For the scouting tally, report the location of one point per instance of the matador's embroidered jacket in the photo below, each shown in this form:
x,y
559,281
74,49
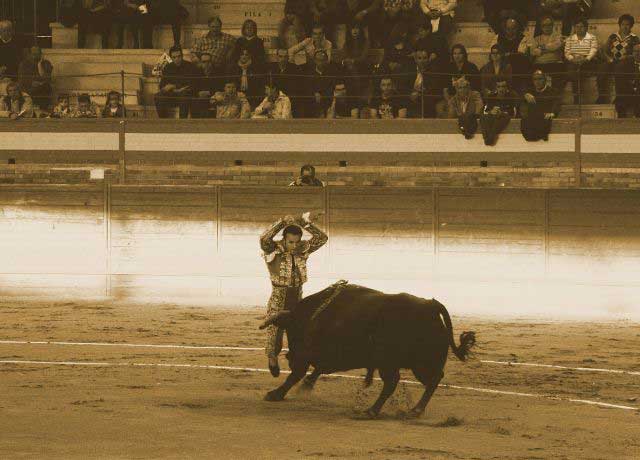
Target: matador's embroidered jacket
x,y
280,262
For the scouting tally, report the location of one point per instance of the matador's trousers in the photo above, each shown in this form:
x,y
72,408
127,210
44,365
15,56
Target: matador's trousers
x,y
282,298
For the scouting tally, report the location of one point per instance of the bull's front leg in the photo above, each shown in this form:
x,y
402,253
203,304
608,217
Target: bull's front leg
x,y
297,373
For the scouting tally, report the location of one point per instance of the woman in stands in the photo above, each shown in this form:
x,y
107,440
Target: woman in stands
x,y
459,66
249,77
356,47
497,66
251,42
291,29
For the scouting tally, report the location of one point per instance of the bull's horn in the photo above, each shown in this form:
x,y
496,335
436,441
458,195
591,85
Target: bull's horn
x,y
272,319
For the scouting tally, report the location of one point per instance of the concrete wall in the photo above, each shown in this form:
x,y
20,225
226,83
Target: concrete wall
x,y
534,249
592,154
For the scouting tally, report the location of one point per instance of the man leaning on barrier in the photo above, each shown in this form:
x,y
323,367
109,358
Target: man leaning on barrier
x,y
287,263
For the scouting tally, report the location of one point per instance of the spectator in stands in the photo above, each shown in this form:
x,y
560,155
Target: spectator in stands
x,y
459,66
514,45
301,8
356,81
114,107
291,29
580,52
426,85
16,104
466,105
567,10
323,12
628,85
350,12
276,104
343,105
95,16
209,84
356,49
129,12
250,78
310,45
541,104
167,12
10,50
307,178
389,104
501,106
435,44
62,108
402,44
286,77
86,108
440,13
251,42
496,12
617,49
230,104
394,65
497,67
547,50
34,76
180,82
321,82
397,15
4,80
217,44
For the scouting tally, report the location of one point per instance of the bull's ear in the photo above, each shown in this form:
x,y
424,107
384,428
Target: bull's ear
x,y
276,320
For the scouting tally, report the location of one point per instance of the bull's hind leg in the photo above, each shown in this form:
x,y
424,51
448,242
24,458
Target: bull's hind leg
x,y
310,380
430,380
390,377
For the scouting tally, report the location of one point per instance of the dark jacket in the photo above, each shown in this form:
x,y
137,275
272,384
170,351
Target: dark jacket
x,y
10,56
188,74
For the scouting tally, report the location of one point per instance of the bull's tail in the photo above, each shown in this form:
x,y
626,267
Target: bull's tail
x,y
467,339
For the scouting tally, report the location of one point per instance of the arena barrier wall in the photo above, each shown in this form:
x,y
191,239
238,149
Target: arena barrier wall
x,y
579,154
474,248
478,248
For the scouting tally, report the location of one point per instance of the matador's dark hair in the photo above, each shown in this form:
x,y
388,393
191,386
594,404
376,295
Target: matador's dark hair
x,y
292,230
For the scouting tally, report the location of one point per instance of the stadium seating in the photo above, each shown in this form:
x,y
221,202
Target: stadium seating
x,y
141,86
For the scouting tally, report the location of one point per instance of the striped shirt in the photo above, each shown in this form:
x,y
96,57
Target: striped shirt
x,y
587,47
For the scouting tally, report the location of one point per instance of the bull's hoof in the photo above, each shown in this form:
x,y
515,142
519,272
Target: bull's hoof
x,y
414,413
371,414
274,395
308,384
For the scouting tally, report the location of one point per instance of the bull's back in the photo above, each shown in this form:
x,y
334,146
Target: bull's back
x,y
367,328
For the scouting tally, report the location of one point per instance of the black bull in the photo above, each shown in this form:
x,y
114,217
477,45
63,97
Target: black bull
x,y
365,328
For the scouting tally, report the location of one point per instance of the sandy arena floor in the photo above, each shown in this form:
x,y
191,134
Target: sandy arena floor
x,y
114,409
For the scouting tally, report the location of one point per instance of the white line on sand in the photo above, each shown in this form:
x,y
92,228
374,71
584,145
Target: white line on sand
x,y
251,369
222,347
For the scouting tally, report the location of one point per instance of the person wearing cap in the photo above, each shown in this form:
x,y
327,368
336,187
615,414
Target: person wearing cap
x,y
541,104
286,261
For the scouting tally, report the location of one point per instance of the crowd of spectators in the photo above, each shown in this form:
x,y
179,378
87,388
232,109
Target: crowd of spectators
x,y
323,67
